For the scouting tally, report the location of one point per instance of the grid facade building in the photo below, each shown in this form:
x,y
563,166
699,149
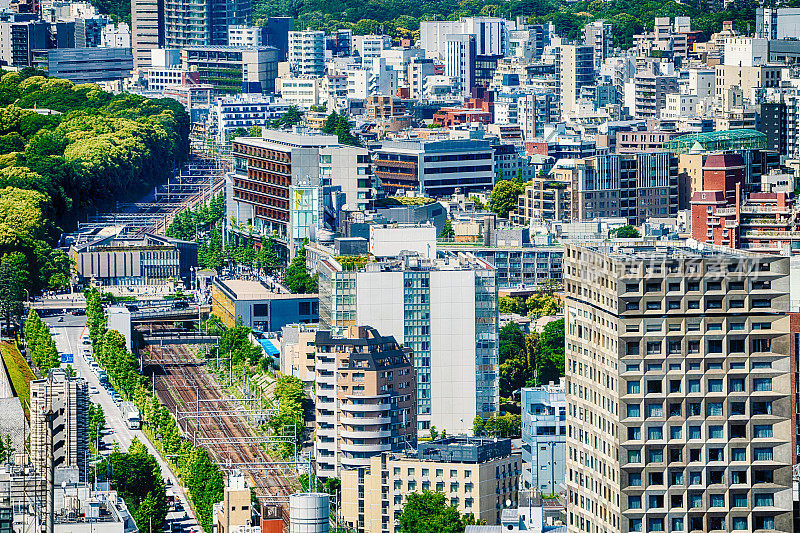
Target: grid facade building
x,y
677,382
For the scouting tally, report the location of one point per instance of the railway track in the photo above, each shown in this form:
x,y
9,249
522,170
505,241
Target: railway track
x,y
230,439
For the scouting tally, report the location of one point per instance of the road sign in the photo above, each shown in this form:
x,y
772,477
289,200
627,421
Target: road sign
x,y
67,358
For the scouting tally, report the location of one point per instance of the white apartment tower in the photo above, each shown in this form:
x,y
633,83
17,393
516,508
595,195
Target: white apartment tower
x,y
306,54
677,375
460,60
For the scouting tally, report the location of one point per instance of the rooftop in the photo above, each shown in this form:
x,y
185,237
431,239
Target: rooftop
x,y
717,141
625,250
254,290
464,449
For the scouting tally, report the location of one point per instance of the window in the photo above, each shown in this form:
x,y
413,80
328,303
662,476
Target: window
x,y
632,368
737,408
762,454
677,524
762,431
635,502
739,523
715,432
763,500
675,432
674,385
738,500
737,365
762,384
714,409
675,409
761,365
736,385
634,410
715,346
714,326
652,367
654,410
715,477
694,456
762,408
716,500
634,433
695,501
716,454
714,385
635,479
762,476
694,409
655,478
655,433
739,477
738,431
635,524
716,522
694,385
736,346
738,454
654,306
673,304
736,304
676,478
655,456
762,325
693,347
674,287
655,501
761,345
655,524
632,306
653,386
693,304
631,287
632,348
676,501
737,326
634,456
763,522
695,365
675,455
714,366
633,387
654,348
674,347
695,478
693,286
736,286
761,302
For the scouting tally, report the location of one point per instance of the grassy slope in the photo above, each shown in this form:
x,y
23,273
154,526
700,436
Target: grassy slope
x,y
19,373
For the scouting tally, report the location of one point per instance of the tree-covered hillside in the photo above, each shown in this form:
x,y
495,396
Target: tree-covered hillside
x,y
93,149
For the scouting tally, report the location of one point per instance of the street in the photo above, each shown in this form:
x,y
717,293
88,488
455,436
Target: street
x,y
67,335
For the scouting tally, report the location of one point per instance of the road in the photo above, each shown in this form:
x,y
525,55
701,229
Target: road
x,y
68,340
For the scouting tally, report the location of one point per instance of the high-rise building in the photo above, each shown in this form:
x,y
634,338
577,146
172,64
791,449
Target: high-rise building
x,y
147,30
66,399
364,398
600,36
445,310
575,69
306,53
460,57
202,23
677,378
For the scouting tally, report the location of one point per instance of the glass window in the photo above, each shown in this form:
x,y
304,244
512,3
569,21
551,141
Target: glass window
x,y
695,478
738,500
762,384
677,524
739,523
656,501
675,432
715,432
634,410
634,433
762,454
714,409
656,456
694,432
735,384
635,479
633,387
632,368
695,501
655,410
738,454
635,524
635,502
694,385
714,385
763,522
655,524
763,500
716,500
634,456
654,433
762,431
737,408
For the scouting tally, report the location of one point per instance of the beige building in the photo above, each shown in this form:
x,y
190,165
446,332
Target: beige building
x,y
746,79
68,400
147,31
365,398
548,197
677,375
477,475
234,510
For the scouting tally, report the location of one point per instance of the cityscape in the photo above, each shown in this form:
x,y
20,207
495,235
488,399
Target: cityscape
x,y
330,266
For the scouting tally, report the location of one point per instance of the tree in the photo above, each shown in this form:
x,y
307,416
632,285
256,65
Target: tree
x,y
429,512
504,197
255,131
298,280
541,304
12,292
447,230
238,132
433,433
627,232
331,123
292,117
477,426
343,132
509,304
512,342
478,204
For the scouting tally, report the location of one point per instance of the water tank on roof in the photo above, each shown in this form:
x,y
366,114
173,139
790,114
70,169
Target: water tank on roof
x,y
309,512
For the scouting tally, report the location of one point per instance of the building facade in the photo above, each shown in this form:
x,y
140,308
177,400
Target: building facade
x,y
544,438
677,383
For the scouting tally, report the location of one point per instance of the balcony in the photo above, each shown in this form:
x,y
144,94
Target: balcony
x,y
771,209
365,421
372,434
352,448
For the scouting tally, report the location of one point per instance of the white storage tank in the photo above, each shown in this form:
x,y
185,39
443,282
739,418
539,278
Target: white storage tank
x,y
309,512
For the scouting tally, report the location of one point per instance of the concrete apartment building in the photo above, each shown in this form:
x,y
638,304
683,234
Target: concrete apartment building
x,y
477,475
306,53
66,399
364,398
544,438
435,167
231,69
650,93
459,60
445,310
575,69
677,374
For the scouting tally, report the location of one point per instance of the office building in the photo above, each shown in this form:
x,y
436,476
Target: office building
x,y
650,93
435,168
59,422
364,399
242,35
491,36
477,476
276,34
544,438
266,168
677,389
371,46
778,23
459,60
773,121
231,69
85,65
233,513
148,260
260,308
147,30
244,111
202,23
306,53
575,69
19,37
445,310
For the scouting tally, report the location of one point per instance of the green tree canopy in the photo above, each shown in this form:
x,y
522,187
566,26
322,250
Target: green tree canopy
x,y
429,512
504,196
